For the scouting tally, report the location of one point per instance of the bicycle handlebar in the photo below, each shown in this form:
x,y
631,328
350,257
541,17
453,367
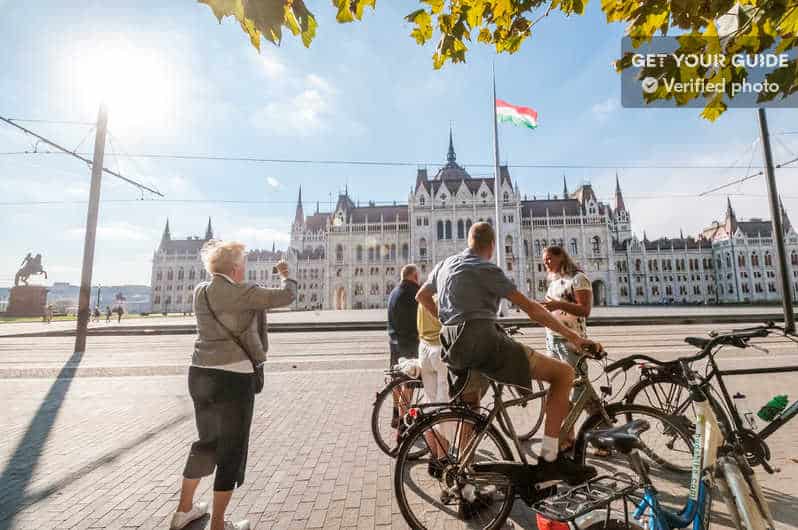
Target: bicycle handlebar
x,y
737,338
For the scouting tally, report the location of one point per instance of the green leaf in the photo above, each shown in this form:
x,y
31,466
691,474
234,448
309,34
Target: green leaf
x,y
714,108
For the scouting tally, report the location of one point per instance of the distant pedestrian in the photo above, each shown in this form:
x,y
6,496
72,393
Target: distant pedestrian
x,y
107,314
402,307
403,331
119,312
96,314
225,374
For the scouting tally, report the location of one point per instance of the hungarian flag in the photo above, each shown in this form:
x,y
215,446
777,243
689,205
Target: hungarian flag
x,y
521,116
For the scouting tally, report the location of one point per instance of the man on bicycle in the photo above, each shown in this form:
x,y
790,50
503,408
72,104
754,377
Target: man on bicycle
x,y
469,288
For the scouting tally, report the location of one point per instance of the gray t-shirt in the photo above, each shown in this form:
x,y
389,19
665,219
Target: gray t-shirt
x,y
468,288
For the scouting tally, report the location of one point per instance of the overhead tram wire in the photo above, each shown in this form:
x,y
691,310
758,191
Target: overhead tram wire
x,y
80,157
783,165
388,163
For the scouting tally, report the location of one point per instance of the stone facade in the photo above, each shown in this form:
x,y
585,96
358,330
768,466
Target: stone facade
x,y
350,257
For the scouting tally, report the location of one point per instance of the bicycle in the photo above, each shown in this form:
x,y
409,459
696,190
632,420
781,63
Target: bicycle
x,y
716,461
401,393
470,463
665,386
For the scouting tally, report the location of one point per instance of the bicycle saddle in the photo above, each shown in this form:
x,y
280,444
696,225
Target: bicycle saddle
x,y
622,439
698,342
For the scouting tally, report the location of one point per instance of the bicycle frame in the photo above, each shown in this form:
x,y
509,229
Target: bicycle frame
x,y
742,493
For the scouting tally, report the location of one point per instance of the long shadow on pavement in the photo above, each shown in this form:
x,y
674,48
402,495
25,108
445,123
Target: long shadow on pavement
x,y
22,464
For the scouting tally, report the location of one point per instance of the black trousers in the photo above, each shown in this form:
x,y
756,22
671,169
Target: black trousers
x,y
223,403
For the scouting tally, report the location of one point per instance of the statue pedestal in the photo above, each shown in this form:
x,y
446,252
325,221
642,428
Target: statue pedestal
x,y
27,301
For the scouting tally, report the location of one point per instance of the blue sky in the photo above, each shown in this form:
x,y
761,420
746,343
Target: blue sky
x,y
179,82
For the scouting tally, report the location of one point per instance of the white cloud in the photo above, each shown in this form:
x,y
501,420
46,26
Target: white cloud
x,y
117,231
272,66
304,114
258,237
273,183
602,110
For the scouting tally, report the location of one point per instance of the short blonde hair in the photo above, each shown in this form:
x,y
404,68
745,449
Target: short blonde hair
x,y
220,256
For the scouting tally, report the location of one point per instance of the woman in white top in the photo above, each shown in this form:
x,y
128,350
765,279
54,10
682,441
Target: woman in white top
x,y
570,299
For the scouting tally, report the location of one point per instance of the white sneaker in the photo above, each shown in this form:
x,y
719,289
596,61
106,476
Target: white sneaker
x,y
240,525
182,519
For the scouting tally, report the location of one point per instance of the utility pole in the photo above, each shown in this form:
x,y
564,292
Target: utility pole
x,y
91,231
778,229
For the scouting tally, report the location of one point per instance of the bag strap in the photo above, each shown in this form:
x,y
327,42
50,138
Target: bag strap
x,y
230,334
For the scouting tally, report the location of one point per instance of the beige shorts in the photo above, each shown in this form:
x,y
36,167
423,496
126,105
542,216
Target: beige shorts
x,y
478,384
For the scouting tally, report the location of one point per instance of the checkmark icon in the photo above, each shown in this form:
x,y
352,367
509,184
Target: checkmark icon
x,y
650,85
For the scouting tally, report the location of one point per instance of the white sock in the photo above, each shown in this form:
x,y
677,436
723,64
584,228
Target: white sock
x,y
551,447
469,492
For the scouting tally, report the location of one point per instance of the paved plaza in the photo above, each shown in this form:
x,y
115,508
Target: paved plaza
x,y
104,445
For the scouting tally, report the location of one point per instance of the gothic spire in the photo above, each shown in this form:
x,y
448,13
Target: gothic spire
x,y
619,204
167,235
785,221
299,217
731,218
209,230
564,187
450,156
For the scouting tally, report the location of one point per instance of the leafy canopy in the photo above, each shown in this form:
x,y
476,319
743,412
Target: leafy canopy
x,y
725,26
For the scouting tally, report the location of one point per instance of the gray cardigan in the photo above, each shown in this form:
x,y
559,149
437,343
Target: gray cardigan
x,y
236,305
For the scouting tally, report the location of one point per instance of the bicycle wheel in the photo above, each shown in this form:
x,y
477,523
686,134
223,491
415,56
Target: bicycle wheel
x,y
527,417
387,416
671,394
667,449
430,496
612,524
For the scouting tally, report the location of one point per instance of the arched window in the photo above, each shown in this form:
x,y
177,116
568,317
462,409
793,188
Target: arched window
x,y
506,197
596,241
741,260
768,260
440,230
526,248
377,250
359,253
202,274
422,248
371,254
387,254
460,229
538,248
169,274
448,226
794,258
159,275
191,274
422,201
393,252
339,253
573,248
468,225
405,251
508,246
637,265
180,274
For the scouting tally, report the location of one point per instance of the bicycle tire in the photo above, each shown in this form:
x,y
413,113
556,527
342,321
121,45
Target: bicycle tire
x,y
404,462
641,389
624,413
528,411
384,398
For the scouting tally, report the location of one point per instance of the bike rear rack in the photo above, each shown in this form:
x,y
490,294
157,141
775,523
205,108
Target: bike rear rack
x,y
572,502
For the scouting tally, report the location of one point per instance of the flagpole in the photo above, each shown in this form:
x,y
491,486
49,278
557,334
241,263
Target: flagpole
x,y
496,185
497,175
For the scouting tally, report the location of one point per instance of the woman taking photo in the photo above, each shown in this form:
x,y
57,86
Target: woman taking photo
x,y
225,374
570,299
